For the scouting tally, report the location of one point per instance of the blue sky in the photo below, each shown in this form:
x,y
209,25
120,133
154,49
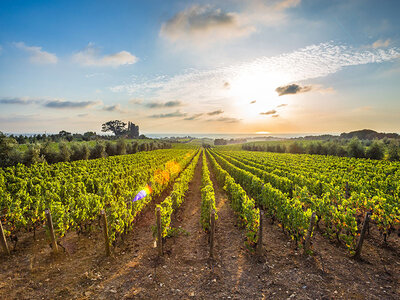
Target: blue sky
x,y
200,67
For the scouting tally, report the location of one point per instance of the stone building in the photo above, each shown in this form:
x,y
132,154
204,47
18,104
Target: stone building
x,y
133,130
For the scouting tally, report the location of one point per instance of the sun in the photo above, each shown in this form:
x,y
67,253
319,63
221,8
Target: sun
x,y
253,91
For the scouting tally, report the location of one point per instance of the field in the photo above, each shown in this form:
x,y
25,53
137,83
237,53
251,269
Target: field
x,y
295,257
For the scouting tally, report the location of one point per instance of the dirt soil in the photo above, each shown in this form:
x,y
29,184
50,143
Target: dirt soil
x,y
186,271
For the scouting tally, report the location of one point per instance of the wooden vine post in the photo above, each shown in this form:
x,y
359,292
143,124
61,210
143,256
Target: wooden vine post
x,y
307,242
3,240
360,242
260,234
159,232
105,232
51,230
212,233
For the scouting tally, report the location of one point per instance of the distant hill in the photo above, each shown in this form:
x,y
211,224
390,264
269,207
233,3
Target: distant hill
x,y
364,134
368,134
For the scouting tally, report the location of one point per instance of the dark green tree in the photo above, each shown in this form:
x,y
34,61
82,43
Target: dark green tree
x,y
375,151
117,127
355,148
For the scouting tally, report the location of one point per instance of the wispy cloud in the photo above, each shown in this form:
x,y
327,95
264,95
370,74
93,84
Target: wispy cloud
x,y
193,117
54,103
38,56
304,64
252,102
282,105
19,101
225,120
61,104
113,108
90,56
136,101
270,112
169,115
215,112
292,89
165,104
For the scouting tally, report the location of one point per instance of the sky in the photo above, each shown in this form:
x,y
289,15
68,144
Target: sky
x,y
227,66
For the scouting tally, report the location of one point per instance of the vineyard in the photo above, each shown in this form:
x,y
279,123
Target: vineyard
x,y
210,212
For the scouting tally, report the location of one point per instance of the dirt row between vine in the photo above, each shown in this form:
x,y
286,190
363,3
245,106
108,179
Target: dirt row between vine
x,y
186,272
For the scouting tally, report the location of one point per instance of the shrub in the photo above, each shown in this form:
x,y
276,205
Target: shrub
x,y
32,155
98,151
121,147
64,152
375,151
355,148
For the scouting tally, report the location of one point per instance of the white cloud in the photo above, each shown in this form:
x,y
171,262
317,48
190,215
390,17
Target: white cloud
x,y
90,56
38,56
203,24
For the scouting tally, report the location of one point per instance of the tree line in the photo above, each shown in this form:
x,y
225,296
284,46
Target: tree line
x,y
11,153
377,149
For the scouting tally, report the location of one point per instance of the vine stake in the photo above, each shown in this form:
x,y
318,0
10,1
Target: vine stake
x,y
260,234
159,232
3,240
307,242
357,255
51,230
212,233
105,232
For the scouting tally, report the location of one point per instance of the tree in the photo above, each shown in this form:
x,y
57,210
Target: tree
x,y
98,151
393,151
220,142
121,147
89,135
6,146
355,148
64,152
375,151
117,127
32,155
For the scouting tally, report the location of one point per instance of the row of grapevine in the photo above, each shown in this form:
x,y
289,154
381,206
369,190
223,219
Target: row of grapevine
x,y
176,198
289,212
339,215
370,177
76,192
385,207
244,206
207,196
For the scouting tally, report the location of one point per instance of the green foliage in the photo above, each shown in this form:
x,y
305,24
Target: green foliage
x,y
98,151
394,152
32,155
243,205
318,184
375,151
355,148
76,192
6,146
207,196
177,196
